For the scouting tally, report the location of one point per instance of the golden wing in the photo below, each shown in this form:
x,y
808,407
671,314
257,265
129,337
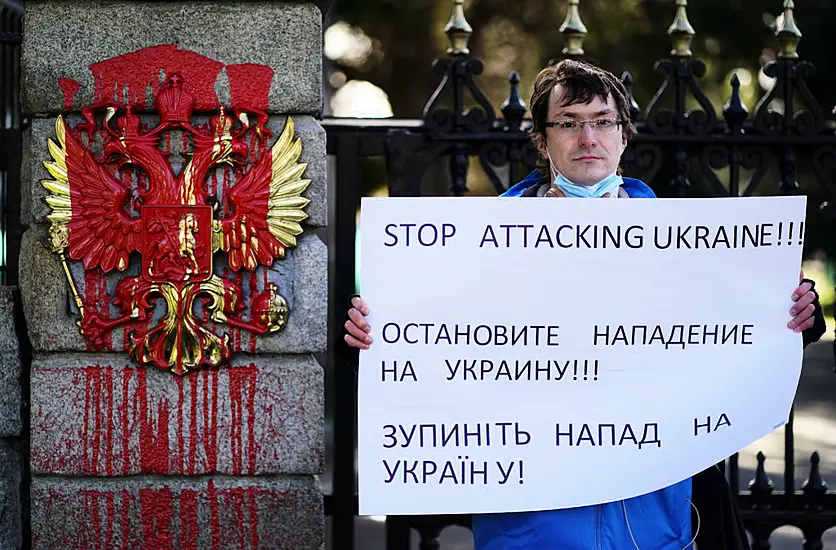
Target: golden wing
x,y
267,207
59,189
88,216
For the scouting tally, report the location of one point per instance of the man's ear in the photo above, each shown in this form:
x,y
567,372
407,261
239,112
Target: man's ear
x,y
541,147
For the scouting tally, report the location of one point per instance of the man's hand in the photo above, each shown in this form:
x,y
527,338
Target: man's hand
x,y
802,310
357,326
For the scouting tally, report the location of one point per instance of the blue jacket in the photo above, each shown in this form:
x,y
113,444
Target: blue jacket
x,y
660,520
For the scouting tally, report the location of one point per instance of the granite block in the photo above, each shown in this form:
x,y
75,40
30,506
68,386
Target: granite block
x,y
100,415
265,53
280,513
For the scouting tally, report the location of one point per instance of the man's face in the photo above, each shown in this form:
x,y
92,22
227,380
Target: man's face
x,y
589,155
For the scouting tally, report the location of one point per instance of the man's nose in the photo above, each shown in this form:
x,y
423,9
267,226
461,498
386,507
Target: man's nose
x,y
587,136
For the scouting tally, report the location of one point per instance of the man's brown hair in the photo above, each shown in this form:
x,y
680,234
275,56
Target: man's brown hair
x,y
581,83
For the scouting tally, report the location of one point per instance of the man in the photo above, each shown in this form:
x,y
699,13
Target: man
x,y
581,127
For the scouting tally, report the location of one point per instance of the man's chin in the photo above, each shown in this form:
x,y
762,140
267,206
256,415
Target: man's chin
x,y
587,179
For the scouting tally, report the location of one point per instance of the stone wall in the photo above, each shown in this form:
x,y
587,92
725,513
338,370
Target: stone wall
x,y
11,465
125,454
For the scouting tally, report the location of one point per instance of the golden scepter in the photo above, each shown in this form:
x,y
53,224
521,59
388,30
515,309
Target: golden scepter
x,y
60,243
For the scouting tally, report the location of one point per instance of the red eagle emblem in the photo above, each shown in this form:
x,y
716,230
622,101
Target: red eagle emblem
x,y
175,222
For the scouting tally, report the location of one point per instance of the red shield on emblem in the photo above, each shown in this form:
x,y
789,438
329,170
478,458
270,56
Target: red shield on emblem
x,y
176,243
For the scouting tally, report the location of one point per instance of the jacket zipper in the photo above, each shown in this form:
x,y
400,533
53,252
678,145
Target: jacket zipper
x,y
598,526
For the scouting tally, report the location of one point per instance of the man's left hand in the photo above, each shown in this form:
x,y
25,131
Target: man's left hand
x,y
803,308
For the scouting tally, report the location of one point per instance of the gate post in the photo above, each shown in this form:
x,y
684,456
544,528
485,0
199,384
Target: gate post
x,y
173,280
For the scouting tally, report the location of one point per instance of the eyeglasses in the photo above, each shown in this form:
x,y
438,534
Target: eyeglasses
x,y
601,126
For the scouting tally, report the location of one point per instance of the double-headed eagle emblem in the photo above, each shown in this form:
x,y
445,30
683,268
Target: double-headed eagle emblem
x,y
175,222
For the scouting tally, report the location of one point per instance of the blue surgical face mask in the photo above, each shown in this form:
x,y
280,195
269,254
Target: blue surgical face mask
x,y
610,184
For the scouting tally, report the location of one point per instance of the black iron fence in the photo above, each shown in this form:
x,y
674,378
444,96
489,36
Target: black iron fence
x,y
10,140
684,148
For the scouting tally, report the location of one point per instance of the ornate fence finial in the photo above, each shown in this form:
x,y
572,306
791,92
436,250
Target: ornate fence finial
x,y
761,487
788,34
634,109
681,31
814,488
513,107
458,30
735,112
573,30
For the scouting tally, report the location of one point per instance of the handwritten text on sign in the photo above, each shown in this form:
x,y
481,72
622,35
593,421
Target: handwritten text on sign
x,y
542,354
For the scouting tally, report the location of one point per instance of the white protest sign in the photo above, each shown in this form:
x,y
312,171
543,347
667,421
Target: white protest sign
x,y
544,354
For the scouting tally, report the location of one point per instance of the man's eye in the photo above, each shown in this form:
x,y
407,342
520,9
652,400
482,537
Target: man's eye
x,y
568,125
605,123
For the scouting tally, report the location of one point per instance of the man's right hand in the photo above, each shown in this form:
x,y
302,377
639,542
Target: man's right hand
x,y
356,326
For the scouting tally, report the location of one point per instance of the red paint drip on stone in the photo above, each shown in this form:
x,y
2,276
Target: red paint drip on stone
x,y
85,436
242,384
92,501
109,422
180,458
227,185
128,78
253,293
249,85
126,504
213,507
111,514
126,459
251,447
156,517
97,299
189,529
193,421
253,523
153,436
210,419
69,87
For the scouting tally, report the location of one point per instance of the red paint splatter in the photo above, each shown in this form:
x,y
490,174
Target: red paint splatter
x,y
69,87
189,529
242,385
156,517
97,299
111,513
253,523
107,520
192,422
153,436
215,520
118,410
249,84
253,294
98,411
93,512
179,459
133,77
126,504
109,422
210,439
227,185
127,78
126,458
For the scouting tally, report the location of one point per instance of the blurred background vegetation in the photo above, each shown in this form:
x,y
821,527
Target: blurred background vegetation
x,y
379,54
